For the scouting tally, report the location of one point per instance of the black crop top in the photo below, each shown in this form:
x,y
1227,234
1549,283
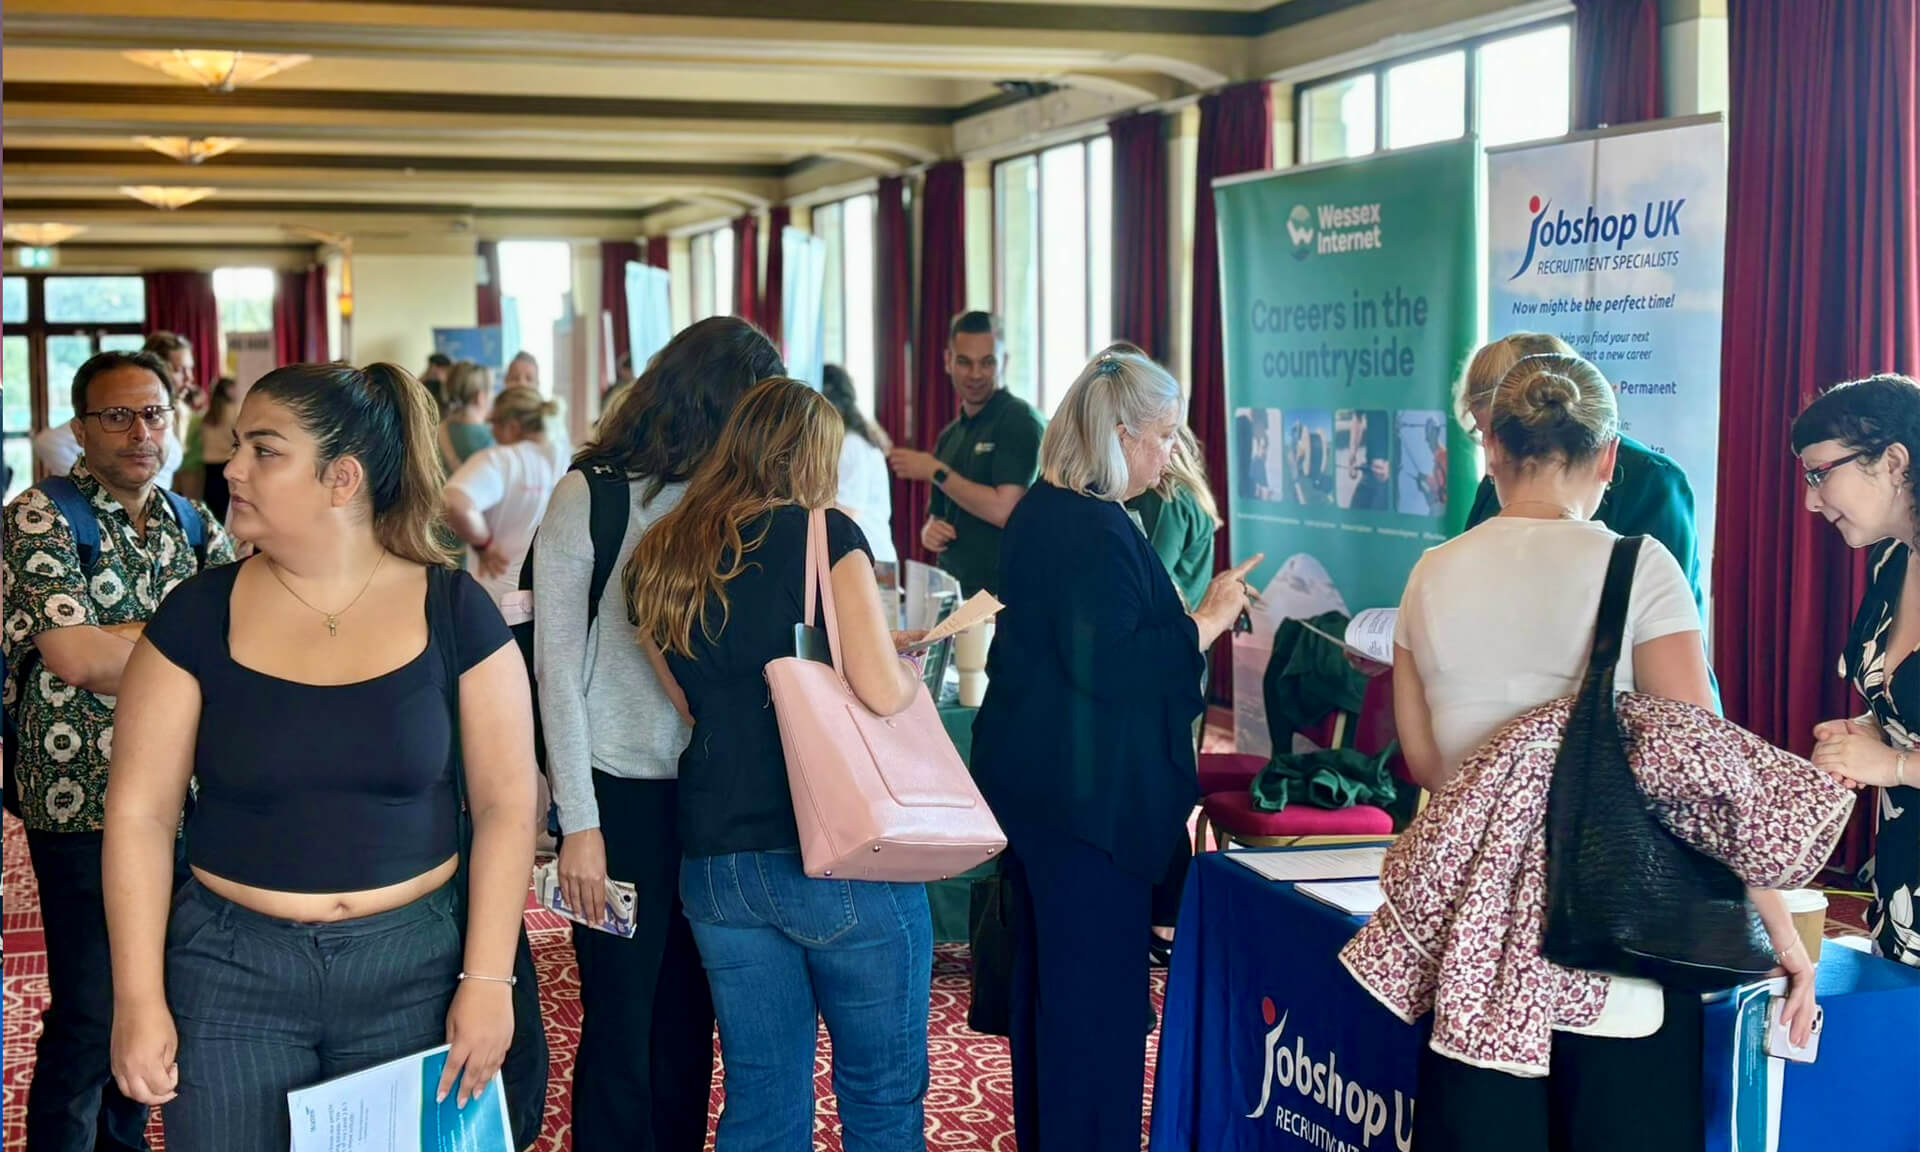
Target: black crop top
x,y
320,788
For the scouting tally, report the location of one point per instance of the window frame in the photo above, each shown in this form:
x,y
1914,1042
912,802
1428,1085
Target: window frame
x,y
38,330
866,386
1034,356
1471,45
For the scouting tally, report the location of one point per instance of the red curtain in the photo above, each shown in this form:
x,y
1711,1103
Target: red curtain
x,y
1616,71
657,251
943,294
486,308
300,317
893,336
1236,135
746,268
615,255
183,303
1822,285
1140,276
772,297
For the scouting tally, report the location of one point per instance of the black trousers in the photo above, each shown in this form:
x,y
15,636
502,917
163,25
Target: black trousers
x,y
1601,1094
1079,1056
644,1072
73,1105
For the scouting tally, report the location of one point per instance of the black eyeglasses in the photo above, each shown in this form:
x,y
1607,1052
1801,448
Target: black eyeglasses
x,y
155,416
1817,474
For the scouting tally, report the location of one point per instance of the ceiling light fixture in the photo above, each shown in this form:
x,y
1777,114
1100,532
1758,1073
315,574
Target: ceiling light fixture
x,y
190,149
216,71
42,235
166,196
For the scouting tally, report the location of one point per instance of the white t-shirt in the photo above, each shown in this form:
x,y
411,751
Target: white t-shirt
x,y
1500,620
866,492
510,484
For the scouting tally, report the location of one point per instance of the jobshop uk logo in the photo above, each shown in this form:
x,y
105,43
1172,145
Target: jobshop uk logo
x,y
1304,1094
1661,219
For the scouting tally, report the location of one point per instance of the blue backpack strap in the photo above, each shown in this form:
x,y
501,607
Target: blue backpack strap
x,y
78,512
192,523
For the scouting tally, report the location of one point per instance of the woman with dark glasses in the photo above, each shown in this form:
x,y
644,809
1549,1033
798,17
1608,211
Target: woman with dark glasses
x,y
1857,445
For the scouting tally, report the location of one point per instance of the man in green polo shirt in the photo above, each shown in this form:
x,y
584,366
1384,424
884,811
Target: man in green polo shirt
x,y
983,462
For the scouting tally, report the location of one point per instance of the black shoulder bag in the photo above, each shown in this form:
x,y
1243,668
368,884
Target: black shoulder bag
x,y
525,1068
1624,895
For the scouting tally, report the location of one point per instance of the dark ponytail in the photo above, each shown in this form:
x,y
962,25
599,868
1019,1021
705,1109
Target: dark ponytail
x,y
382,417
837,387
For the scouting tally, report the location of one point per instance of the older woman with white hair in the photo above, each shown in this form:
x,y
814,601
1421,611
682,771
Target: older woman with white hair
x,y
1084,748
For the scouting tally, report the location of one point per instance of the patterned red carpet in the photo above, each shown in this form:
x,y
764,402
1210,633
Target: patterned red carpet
x,y
969,1099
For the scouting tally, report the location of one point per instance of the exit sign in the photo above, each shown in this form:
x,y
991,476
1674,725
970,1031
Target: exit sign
x,y
33,257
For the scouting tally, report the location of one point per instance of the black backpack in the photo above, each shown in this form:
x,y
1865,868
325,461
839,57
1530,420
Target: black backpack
x,y
77,511
607,486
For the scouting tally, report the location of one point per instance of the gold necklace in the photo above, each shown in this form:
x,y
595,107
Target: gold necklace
x,y
333,618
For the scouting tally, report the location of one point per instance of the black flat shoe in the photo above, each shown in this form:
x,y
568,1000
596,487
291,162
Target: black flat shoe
x,y
1159,950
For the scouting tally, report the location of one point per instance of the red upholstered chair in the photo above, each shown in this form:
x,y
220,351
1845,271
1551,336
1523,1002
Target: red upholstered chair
x,y
1234,819
1223,772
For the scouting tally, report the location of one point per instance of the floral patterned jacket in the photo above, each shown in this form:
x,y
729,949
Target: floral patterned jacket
x,y
1466,884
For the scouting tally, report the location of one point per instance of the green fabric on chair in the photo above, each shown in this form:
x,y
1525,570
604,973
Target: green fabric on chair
x,y
1331,778
1309,677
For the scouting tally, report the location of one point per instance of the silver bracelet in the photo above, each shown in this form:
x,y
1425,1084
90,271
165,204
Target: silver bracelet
x,y
509,981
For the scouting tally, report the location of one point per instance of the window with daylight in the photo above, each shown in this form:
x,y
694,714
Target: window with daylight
x,y
52,325
1058,311
712,254
245,299
848,301
1506,87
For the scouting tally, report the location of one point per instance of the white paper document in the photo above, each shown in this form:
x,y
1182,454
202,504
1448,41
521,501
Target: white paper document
x,y
1357,863
1369,635
979,607
390,1108
1354,897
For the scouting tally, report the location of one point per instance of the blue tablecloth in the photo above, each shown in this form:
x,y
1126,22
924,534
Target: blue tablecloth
x,y
1268,1044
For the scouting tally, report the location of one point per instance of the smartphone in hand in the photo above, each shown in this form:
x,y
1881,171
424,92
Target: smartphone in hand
x,y
1780,1045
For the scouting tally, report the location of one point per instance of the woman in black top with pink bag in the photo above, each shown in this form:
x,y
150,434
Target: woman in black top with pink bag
x,y
310,692
717,585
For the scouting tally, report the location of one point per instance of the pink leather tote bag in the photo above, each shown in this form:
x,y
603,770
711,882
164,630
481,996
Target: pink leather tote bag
x,y
875,797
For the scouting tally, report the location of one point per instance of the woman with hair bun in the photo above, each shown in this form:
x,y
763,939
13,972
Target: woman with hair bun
x,y
496,499
1647,495
308,691
1493,624
1857,445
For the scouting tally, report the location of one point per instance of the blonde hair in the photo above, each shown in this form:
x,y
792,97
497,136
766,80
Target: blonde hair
x,y
466,384
780,446
1554,407
1081,449
525,409
1186,470
1491,363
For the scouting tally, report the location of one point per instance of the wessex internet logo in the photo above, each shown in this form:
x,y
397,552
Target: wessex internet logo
x,y
1331,229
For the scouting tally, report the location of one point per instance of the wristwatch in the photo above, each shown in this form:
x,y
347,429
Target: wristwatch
x,y
939,476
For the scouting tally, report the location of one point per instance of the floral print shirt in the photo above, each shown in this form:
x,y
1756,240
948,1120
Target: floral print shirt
x,y
66,732
1466,884
1895,701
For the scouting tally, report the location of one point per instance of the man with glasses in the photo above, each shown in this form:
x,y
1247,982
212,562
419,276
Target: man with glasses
x,y
56,448
87,559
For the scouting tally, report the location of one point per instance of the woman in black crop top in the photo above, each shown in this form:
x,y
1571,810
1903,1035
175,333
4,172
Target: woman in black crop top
x,y
308,692
717,585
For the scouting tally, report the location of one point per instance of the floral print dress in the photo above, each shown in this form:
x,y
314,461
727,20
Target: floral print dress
x,y
1895,703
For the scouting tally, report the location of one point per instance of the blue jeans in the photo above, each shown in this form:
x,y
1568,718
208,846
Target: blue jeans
x,y
781,950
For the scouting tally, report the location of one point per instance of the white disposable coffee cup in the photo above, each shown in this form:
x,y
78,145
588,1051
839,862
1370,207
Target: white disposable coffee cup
x,y
1809,909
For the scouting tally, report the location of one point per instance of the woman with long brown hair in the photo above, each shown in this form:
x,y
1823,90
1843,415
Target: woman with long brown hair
x,y
308,691
613,741
717,585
